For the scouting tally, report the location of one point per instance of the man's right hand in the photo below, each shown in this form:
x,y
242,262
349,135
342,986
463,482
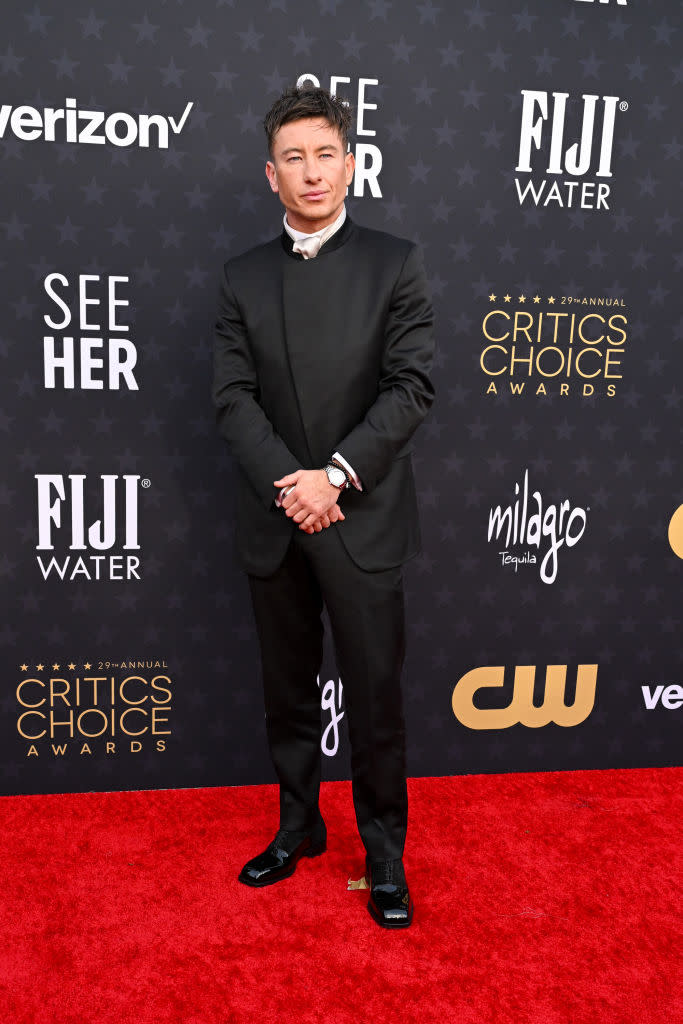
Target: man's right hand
x,y
333,515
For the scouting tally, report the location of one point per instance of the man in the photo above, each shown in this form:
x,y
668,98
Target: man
x,y
323,350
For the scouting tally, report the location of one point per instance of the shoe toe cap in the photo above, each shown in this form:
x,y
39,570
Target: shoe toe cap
x,y
393,910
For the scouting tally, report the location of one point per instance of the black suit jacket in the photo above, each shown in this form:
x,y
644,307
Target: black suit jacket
x,y
324,355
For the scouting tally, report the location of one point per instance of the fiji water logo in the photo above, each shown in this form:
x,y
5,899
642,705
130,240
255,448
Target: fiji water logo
x,y
72,545
545,149
540,529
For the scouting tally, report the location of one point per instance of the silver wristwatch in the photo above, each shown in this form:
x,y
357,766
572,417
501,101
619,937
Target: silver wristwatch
x,y
336,476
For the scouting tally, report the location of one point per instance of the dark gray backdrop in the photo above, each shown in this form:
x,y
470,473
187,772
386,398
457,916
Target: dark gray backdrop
x,y
447,123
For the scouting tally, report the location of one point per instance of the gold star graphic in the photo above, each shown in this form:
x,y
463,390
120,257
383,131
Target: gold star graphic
x,y
39,668
537,299
55,667
522,298
492,297
23,668
71,666
507,298
551,300
87,665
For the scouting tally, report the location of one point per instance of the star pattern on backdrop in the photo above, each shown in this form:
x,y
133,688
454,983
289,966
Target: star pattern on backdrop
x,y
447,126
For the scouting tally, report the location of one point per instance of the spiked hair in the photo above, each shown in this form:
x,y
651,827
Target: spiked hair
x,y
307,100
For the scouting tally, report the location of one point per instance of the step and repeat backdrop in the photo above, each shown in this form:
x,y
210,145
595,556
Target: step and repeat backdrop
x,y
534,150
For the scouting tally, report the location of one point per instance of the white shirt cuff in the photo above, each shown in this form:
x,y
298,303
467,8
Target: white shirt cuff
x,y
349,470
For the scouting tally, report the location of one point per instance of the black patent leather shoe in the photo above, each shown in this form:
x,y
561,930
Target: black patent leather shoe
x,y
390,903
280,858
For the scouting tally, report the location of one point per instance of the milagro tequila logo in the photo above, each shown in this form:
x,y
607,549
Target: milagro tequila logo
x,y
331,701
97,550
529,524
542,130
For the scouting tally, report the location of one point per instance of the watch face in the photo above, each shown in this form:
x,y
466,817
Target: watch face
x,y
336,476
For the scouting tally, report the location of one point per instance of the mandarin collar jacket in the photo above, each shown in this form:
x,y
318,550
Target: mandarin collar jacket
x,y
323,355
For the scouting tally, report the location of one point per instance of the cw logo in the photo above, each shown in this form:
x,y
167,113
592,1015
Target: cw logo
x,y
521,708
676,532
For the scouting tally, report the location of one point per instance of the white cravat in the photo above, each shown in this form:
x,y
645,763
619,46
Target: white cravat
x,y
310,245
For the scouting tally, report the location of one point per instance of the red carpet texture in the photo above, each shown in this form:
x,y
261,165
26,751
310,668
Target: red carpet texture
x,y
540,899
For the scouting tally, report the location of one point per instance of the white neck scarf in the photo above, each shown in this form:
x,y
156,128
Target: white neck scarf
x,y
309,245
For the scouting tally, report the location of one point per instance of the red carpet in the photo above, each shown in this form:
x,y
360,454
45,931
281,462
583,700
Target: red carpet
x,y
540,899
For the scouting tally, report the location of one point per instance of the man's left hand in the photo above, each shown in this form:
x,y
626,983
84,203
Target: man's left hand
x,y
327,519
313,495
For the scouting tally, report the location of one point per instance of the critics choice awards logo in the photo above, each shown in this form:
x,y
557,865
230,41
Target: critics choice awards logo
x,y
530,532
561,172
553,345
524,707
98,707
368,155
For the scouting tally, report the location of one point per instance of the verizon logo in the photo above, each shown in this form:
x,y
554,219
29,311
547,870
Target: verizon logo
x,y
670,697
91,127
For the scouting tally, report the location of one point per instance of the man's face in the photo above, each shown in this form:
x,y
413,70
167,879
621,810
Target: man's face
x,y
310,171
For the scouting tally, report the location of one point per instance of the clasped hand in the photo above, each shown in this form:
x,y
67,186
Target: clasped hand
x,y
312,503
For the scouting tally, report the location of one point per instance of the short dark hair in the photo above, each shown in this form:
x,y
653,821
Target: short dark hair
x,y
308,100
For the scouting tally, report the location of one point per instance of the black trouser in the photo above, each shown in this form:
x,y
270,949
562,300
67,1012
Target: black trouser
x,y
368,629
